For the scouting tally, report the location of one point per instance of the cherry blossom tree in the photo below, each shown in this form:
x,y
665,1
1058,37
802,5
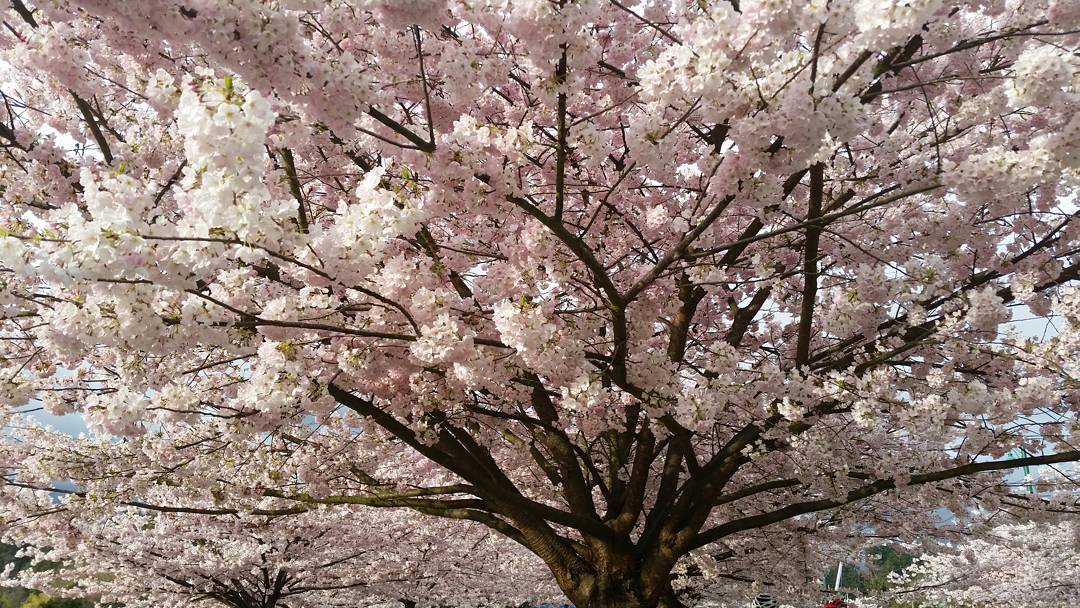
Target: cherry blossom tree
x,y
143,559
648,289
95,542
140,559
1031,565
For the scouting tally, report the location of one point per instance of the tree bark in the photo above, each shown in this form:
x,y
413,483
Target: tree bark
x,y
619,581
614,591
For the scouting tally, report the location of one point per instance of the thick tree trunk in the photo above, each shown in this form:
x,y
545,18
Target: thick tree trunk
x,y
621,577
614,583
625,593
612,595
622,590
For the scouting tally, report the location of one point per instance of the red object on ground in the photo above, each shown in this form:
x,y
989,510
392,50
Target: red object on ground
x,y
835,603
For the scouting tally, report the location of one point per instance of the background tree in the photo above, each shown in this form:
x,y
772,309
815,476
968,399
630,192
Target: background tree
x,y
89,542
18,597
628,284
12,597
1031,565
887,560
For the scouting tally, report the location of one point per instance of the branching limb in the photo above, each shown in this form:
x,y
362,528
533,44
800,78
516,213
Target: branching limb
x,y
871,489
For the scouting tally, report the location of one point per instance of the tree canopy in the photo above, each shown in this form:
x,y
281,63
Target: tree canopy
x,y
666,296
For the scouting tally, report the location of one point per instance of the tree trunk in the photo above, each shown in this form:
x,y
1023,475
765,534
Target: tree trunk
x,y
622,578
612,592
626,594
622,590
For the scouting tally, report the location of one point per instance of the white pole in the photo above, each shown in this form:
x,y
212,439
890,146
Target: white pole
x,y
839,572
